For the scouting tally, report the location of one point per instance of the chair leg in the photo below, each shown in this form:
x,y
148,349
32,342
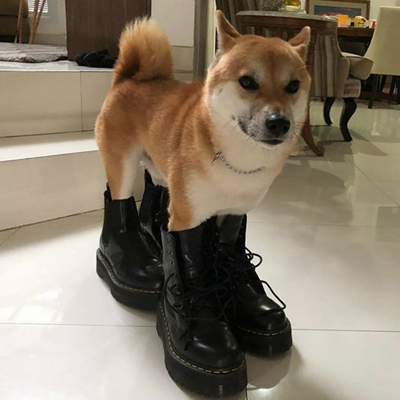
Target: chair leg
x,y
393,86
383,83
327,109
350,107
375,84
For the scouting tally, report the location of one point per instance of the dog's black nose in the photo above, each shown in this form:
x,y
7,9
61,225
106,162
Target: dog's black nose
x,y
278,124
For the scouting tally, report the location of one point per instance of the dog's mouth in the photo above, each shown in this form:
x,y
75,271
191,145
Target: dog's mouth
x,y
243,126
272,142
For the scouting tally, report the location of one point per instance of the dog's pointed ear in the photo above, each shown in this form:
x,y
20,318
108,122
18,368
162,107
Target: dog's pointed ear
x,y
226,33
301,42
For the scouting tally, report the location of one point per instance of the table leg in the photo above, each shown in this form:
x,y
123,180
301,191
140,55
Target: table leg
x,y
309,139
18,34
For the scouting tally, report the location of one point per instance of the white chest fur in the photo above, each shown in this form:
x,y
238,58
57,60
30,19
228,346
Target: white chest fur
x,y
223,191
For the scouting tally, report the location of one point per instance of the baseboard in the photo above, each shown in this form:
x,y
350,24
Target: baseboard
x,y
55,39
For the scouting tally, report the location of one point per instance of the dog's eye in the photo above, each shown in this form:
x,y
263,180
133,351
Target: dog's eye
x,y
293,87
248,83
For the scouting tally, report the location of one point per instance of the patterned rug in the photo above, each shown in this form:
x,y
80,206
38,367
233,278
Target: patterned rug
x,y
31,53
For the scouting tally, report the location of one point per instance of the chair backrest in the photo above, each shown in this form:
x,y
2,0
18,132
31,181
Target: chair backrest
x,y
384,49
231,7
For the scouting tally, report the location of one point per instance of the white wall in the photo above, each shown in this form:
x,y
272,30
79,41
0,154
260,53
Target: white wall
x,y
177,19
376,5
53,27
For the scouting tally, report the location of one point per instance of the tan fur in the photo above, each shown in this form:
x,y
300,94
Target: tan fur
x,y
145,53
147,112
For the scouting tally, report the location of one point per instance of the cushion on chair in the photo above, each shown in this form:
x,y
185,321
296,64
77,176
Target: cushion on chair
x,y
342,75
352,88
8,26
11,7
360,67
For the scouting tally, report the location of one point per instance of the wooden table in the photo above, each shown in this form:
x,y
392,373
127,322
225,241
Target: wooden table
x,y
365,33
351,35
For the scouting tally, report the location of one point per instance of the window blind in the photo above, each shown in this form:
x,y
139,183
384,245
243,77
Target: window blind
x,y
31,4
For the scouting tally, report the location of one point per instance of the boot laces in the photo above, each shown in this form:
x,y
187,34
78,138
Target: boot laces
x,y
240,268
200,293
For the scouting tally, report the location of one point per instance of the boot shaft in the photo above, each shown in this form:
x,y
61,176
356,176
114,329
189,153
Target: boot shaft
x,y
232,246
232,232
153,211
194,249
120,217
189,262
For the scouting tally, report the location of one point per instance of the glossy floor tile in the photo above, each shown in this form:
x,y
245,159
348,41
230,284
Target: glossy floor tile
x,y
84,362
55,264
332,277
329,233
319,191
330,366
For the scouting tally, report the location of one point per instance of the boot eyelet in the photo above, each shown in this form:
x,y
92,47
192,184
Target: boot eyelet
x,y
170,252
171,263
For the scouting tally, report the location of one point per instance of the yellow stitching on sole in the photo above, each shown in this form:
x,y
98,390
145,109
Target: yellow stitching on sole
x,y
187,363
264,334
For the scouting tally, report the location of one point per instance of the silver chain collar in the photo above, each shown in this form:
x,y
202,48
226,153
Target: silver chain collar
x,y
219,156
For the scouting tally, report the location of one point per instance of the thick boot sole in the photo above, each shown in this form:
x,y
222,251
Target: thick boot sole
x,y
139,298
263,343
205,382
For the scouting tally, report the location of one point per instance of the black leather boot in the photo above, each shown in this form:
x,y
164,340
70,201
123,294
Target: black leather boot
x,y
153,212
201,352
260,325
126,260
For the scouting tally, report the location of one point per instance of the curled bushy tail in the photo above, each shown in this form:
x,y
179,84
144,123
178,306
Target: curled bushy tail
x,y
144,54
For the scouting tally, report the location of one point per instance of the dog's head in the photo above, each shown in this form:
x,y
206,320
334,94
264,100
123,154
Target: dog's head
x,y
259,86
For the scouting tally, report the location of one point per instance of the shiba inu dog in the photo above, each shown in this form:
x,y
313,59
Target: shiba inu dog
x,y
219,144
212,148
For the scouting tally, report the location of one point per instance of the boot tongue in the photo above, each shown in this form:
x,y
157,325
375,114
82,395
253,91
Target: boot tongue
x,y
191,252
229,229
192,268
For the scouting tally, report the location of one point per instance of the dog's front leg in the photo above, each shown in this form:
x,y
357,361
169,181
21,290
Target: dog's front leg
x,y
181,214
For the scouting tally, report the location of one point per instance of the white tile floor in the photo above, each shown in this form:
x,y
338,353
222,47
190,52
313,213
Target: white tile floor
x,y
329,232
